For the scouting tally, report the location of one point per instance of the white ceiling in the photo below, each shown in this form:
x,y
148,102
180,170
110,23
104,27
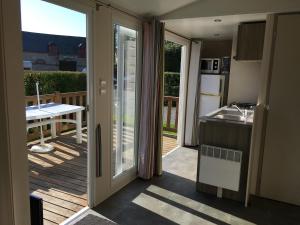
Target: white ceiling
x,y
150,7
207,28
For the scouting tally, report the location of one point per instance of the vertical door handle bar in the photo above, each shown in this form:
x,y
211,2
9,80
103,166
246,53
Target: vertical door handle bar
x,y
98,151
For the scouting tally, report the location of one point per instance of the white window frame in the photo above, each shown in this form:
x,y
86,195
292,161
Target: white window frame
x,y
130,22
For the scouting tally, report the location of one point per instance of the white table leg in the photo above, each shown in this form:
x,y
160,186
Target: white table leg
x,y
78,127
53,128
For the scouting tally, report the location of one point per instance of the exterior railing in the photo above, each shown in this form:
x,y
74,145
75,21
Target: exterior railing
x,y
171,124
79,98
71,98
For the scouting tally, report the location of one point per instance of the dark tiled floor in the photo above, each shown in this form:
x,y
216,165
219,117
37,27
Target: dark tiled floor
x,y
123,208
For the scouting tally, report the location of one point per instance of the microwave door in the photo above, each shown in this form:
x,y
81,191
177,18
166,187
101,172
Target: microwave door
x,y
206,66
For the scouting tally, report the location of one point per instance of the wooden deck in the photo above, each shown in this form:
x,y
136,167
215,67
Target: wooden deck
x,y
60,178
169,144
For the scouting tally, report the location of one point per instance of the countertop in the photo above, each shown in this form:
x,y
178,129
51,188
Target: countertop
x,y
210,117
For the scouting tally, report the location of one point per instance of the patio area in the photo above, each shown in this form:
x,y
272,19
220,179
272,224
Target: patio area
x,y
60,177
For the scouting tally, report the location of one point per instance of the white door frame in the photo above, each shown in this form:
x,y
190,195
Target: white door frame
x,y
87,8
184,69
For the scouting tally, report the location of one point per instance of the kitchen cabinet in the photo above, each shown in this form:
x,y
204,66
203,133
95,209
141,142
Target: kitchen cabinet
x,y
250,41
231,135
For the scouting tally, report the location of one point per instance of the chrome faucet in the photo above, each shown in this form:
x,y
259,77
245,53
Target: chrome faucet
x,y
244,113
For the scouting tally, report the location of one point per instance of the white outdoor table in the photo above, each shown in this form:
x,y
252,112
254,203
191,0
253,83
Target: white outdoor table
x,y
48,112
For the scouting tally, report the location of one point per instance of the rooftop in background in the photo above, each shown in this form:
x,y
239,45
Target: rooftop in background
x,y
38,43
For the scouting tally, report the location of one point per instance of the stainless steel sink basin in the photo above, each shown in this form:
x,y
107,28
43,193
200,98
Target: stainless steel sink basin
x,y
229,112
233,115
229,117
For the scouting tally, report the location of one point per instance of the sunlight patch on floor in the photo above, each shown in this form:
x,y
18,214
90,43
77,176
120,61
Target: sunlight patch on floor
x,y
168,211
199,207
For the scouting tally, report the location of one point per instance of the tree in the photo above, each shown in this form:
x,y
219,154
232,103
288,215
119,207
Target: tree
x,y
172,56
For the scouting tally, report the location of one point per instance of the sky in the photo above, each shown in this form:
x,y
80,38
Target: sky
x,y
43,17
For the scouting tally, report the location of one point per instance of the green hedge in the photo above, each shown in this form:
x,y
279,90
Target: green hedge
x,y
172,57
171,84
51,81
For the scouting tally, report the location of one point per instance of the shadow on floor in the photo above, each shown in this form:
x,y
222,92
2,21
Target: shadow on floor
x,y
183,205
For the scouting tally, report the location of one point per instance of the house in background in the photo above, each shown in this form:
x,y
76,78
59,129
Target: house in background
x,y
48,52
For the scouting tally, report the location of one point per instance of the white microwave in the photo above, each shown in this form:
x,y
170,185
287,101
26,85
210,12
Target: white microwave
x,y
210,65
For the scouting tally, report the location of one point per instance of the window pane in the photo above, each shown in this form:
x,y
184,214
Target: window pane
x,y
124,85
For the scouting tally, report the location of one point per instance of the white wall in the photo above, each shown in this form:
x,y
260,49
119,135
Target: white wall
x,y
244,81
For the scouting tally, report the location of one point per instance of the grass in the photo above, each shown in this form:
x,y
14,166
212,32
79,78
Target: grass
x,y
169,133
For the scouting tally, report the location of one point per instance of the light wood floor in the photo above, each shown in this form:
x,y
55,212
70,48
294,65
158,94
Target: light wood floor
x,y
60,177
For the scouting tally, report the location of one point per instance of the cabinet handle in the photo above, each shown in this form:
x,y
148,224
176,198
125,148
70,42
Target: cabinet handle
x,y
98,151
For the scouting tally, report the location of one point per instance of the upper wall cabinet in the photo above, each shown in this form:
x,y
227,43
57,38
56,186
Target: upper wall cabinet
x,y
250,41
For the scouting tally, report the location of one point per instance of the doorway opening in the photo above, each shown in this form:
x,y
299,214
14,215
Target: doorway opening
x,y
177,159
56,90
172,74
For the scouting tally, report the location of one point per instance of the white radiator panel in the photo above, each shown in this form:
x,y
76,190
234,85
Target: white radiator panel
x,y
220,167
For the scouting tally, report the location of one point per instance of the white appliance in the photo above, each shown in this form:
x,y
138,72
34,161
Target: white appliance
x,y
211,93
211,65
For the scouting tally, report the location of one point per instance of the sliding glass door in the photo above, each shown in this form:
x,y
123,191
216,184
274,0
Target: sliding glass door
x,y
124,100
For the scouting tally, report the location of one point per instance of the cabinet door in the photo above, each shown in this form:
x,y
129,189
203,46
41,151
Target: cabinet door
x,y
250,41
281,159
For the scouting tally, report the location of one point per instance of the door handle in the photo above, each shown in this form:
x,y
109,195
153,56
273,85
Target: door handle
x,y
98,151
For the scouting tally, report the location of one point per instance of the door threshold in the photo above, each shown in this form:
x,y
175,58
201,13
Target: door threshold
x,y
171,151
74,217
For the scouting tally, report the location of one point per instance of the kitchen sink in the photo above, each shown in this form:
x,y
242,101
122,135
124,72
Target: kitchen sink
x,y
229,117
231,114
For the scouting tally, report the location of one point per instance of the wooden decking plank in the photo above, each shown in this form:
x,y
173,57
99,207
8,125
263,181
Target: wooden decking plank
x,y
52,159
59,170
65,176
61,195
59,182
47,222
60,178
58,210
68,157
66,167
47,185
63,148
168,144
52,217
57,201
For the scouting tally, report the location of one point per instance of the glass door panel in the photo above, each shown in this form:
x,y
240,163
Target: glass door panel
x,y
124,99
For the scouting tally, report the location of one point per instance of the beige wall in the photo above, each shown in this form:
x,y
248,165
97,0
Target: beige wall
x,y
281,168
244,81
